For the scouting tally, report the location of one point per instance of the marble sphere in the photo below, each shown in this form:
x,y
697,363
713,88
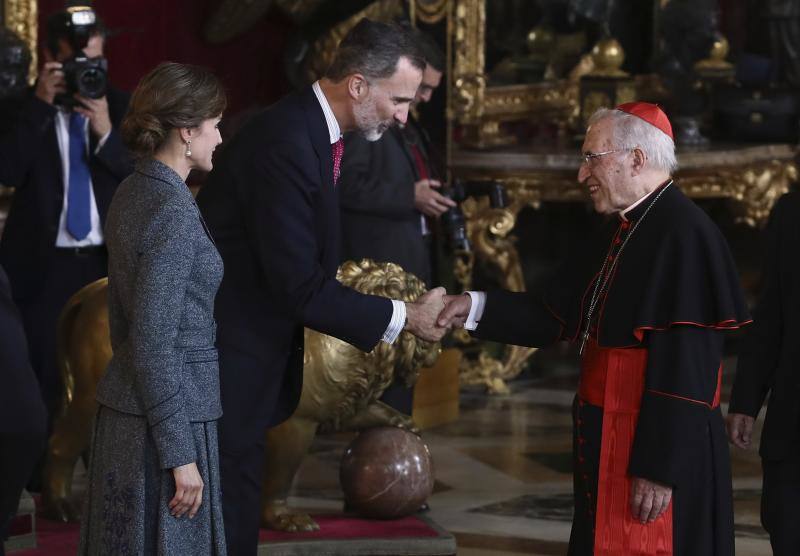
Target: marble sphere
x,y
386,473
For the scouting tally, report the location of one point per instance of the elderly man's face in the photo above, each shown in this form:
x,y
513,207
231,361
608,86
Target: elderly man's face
x,y
387,101
608,176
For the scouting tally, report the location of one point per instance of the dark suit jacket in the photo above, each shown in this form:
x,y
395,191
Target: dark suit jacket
x,y
769,361
31,163
274,214
376,190
21,407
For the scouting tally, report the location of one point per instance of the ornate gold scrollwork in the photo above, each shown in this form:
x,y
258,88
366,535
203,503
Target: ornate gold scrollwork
x,y
468,60
20,17
753,190
430,11
488,230
481,109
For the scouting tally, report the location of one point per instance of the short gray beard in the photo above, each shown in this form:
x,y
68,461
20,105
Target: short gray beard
x,y
367,119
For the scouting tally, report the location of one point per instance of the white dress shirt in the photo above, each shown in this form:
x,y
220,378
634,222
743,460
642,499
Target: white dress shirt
x,y
479,298
398,320
64,238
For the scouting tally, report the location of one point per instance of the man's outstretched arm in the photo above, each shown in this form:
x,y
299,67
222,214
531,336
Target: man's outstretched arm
x,y
509,317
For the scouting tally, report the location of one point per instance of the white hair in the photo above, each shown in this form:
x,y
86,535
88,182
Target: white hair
x,y
631,132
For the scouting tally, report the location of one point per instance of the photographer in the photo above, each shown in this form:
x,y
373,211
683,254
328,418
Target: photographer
x,y
61,151
388,189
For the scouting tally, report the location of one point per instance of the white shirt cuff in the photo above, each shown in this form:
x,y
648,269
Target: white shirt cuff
x,y
101,142
397,322
475,310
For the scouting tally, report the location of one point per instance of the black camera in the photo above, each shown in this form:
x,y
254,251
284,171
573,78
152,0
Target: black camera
x,y
453,219
85,76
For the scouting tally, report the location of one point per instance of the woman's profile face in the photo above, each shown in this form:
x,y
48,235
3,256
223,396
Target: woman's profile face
x,y
204,141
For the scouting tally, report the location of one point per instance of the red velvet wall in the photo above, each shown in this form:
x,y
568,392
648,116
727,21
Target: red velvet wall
x,y
146,32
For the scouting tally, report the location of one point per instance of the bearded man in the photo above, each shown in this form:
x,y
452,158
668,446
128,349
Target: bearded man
x,y
272,208
647,300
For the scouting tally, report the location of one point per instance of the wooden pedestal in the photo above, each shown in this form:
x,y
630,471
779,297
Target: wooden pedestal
x,y
436,391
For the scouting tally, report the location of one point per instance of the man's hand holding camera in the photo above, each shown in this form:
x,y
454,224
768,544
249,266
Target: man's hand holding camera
x,y
429,201
50,82
96,111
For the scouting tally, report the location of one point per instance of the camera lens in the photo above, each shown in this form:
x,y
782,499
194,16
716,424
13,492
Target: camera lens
x,y
455,225
92,83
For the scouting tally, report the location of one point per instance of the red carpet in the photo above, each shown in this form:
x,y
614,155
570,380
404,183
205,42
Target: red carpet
x,y
61,539
53,538
339,527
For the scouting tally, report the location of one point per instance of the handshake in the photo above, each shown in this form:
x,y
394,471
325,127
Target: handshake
x,y
433,314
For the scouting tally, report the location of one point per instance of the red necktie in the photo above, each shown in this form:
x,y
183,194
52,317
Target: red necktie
x,y
338,151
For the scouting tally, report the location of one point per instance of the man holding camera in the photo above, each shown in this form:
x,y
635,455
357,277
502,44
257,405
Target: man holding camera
x,y
60,150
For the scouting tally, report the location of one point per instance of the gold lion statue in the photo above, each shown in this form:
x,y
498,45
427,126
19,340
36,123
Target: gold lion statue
x,y
341,387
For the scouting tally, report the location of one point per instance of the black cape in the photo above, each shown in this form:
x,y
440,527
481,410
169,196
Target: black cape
x,y
676,269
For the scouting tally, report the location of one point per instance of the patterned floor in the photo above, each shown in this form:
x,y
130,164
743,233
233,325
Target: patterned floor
x,y
503,469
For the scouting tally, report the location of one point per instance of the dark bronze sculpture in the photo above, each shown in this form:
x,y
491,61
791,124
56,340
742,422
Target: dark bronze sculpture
x,y
15,59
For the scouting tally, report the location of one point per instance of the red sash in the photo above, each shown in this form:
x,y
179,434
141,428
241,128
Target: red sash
x,y
614,380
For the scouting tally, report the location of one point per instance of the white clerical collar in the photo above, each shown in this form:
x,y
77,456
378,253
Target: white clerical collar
x,y
624,213
333,126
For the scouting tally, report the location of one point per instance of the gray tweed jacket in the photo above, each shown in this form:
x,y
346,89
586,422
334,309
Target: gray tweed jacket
x,y
163,275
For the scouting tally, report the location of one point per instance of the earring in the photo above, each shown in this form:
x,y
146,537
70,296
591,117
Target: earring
x,y
188,148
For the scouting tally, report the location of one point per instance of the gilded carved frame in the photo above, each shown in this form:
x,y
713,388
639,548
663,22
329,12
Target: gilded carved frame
x,y
20,17
479,108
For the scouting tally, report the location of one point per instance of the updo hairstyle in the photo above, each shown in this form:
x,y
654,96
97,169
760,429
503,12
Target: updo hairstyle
x,y
170,96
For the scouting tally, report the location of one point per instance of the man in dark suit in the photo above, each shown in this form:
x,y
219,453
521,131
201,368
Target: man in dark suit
x,y
768,366
272,206
65,164
23,429
388,190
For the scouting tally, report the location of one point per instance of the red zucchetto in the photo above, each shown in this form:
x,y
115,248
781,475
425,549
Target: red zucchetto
x,y
650,113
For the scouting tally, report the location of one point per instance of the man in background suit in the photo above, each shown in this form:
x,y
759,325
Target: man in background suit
x,y
388,190
768,366
272,206
65,165
23,428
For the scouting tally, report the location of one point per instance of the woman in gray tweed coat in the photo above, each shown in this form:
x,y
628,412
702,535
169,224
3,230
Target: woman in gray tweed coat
x,y
154,473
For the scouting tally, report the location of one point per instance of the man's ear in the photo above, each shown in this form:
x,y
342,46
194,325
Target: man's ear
x,y
639,161
357,86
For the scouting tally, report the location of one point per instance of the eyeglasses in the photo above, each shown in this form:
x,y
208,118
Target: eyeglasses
x,y
589,157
